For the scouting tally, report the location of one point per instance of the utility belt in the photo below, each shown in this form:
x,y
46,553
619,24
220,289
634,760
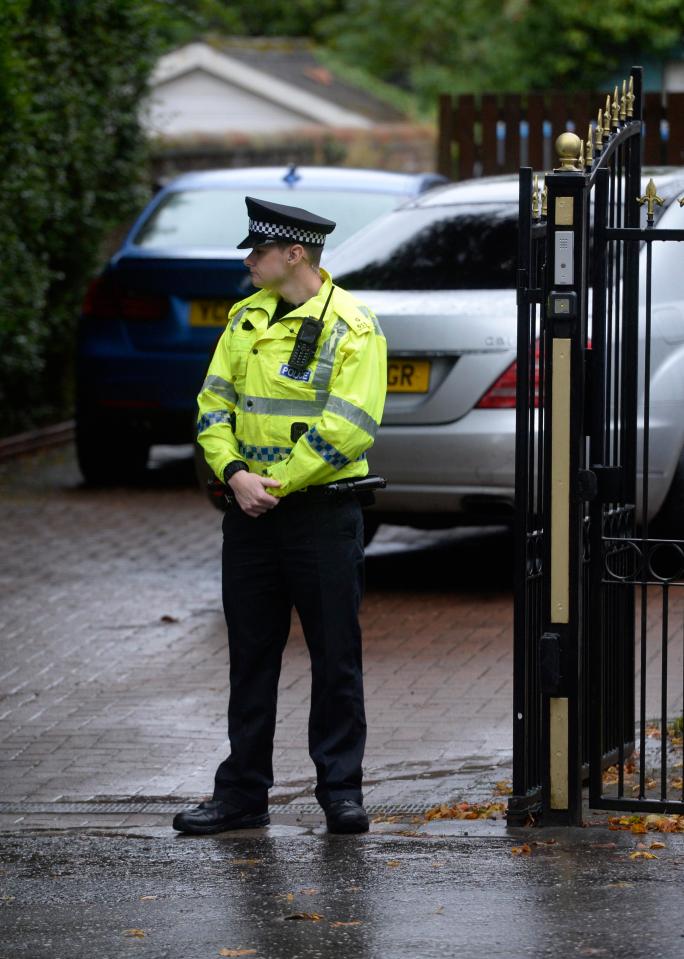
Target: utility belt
x,y
362,488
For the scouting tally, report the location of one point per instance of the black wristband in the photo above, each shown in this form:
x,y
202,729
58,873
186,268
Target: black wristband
x,y
233,468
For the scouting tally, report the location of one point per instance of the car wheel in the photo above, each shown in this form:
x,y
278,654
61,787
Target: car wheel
x,y
106,457
370,528
669,523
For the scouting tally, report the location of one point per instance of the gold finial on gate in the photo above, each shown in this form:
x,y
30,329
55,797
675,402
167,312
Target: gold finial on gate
x,y
535,198
606,119
569,150
589,149
615,110
623,102
630,99
650,197
581,156
545,201
598,143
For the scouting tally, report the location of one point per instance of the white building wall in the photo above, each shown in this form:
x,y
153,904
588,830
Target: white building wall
x,y
197,102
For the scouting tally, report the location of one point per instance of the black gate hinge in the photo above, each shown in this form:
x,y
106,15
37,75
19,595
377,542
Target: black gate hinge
x,y
550,669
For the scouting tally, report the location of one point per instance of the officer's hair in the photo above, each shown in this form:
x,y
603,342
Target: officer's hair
x,y
312,253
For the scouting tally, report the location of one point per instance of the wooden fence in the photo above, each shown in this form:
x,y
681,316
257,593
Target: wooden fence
x,y
498,133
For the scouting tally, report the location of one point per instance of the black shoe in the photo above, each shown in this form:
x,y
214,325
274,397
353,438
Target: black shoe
x,y
346,816
215,815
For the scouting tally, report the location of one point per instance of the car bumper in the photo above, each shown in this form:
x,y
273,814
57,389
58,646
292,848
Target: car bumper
x,y
464,469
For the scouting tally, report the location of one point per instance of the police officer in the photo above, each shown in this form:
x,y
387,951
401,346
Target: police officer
x,y
290,405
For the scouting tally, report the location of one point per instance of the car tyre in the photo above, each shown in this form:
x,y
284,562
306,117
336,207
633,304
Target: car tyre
x,y
107,458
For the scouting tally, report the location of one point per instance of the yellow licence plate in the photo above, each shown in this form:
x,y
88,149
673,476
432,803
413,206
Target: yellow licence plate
x,y
408,376
209,312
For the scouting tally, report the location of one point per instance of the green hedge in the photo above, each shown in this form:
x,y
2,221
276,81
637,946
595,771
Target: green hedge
x,y
73,163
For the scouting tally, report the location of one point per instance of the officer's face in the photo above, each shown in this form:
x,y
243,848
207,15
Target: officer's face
x,y
268,265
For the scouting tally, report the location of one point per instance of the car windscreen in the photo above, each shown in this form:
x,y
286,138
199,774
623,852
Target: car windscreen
x,y
456,247
194,219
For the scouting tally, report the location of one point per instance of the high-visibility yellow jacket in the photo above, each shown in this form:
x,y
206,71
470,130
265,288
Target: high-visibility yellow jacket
x,y
251,399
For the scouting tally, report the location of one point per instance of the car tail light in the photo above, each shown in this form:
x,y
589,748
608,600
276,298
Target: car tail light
x,y
105,300
501,394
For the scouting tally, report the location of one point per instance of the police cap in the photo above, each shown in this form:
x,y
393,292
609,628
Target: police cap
x,y
270,222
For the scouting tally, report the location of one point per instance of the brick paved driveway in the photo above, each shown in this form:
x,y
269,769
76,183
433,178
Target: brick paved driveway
x,y
114,659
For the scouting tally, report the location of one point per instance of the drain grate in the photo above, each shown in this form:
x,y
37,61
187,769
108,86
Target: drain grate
x,y
133,806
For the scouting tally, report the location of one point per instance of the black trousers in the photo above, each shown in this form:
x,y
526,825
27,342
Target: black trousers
x,y
307,552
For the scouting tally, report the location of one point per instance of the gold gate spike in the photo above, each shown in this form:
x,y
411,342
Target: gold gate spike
x,y
650,197
545,201
630,99
615,110
535,198
589,149
623,102
606,120
598,145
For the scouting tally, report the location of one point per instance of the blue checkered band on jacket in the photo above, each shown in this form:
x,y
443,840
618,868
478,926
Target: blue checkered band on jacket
x,y
264,454
326,450
286,232
211,419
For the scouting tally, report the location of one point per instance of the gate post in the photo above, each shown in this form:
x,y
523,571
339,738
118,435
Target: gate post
x,y
565,322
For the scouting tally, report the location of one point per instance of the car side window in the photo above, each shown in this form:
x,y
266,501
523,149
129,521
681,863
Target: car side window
x,y
436,248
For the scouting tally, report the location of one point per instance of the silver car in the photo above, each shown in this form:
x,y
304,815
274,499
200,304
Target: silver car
x,y
440,274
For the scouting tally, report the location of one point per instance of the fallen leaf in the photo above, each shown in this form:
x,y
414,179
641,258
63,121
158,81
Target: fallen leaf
x,y
439,911
348,922
677,784
237,952
310,916
309,892
523,850
619,885
658,845
135,933
642,855
464,810
169,619
245,862
393,863
148,898
504,787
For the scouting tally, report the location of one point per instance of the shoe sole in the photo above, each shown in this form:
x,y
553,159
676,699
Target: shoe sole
x,y
253,822
348,829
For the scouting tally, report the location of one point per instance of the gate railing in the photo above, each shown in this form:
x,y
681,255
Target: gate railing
x,y
582,569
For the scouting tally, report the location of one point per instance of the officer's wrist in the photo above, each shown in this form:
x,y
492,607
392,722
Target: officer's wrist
x,y
232,468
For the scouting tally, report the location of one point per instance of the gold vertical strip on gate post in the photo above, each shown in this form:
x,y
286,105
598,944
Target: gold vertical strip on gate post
x,y
560,481
558,753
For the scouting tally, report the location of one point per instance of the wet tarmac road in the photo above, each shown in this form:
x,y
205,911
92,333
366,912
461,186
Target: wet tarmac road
x,y
378,897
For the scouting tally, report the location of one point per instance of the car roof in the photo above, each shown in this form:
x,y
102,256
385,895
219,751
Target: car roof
x,y
504,189
307,177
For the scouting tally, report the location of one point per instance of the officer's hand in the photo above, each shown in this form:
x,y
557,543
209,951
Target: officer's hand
x,y
251,492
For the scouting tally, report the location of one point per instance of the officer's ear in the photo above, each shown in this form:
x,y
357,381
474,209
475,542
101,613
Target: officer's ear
x,y
295,253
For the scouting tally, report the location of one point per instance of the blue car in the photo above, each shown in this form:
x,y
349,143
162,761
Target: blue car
x,y
152,318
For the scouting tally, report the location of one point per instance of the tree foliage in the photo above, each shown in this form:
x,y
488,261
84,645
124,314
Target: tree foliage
x,y
73,161
485,46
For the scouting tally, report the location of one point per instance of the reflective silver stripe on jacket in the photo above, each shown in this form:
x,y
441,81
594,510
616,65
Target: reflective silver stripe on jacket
x,y
264,454
326,358
373,318
221,387
264,406
352,414
238,316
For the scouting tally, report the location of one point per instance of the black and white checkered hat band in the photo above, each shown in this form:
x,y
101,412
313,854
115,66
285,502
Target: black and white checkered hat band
x,y
277,231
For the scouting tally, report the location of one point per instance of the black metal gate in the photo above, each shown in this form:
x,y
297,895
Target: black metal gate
x,y
599,609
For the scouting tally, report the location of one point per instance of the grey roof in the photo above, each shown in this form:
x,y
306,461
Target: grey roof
x,y
293,61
